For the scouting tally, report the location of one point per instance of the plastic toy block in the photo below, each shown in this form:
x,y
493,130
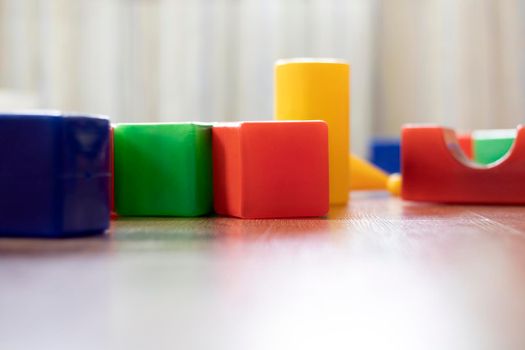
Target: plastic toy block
x,y
163,169
394,184
491,145
112,169
307,89
436,170
271,169
385,154
465,142
54,175
365,176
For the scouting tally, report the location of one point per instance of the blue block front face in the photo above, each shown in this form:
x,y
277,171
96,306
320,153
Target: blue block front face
x,y
386,154
54,175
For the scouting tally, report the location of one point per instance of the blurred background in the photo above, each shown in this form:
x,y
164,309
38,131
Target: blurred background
x,y
455,62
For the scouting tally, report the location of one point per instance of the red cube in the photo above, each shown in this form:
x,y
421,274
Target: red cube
x,y
271,169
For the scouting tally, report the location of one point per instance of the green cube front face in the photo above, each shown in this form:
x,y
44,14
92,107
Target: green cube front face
x,y
163,170
490,145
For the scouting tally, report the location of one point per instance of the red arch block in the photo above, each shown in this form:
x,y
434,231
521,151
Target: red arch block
x,y
271,169
436,170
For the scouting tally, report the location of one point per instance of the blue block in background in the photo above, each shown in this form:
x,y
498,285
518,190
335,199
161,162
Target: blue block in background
x,y
386,154
54,175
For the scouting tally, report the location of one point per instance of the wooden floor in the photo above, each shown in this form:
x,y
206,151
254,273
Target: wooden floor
x,y
379,274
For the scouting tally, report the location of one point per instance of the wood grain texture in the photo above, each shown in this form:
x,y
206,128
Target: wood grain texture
x,y
377,274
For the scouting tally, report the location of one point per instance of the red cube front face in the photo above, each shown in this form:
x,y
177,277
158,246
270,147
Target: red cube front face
x,y
271,169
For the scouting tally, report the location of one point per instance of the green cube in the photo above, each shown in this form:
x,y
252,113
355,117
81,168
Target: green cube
x,y
163,169
491,145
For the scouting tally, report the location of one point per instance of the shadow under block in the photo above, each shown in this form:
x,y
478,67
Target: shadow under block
x,y
365,176
271,169
435,170
319,90
163,169
54,175
491,145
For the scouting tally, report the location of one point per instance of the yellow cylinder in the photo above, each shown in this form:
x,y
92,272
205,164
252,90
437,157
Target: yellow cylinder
x,y
307,89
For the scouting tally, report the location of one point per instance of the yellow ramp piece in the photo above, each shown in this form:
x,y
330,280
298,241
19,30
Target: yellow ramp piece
x,y
365,176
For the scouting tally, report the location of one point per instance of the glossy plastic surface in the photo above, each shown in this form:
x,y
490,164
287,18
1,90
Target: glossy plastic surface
x,y
491,145
385,153
394,184
54,175
271,169
163,169
319,89
366,176
436,170
465,142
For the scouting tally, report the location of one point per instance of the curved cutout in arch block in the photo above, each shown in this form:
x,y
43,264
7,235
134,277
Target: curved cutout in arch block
x,y
435,169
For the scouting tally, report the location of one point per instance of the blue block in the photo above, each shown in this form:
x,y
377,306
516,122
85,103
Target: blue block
x,y
386,154
54,175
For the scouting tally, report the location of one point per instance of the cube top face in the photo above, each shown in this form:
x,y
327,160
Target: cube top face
x,y
163,169
272,169
54,175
